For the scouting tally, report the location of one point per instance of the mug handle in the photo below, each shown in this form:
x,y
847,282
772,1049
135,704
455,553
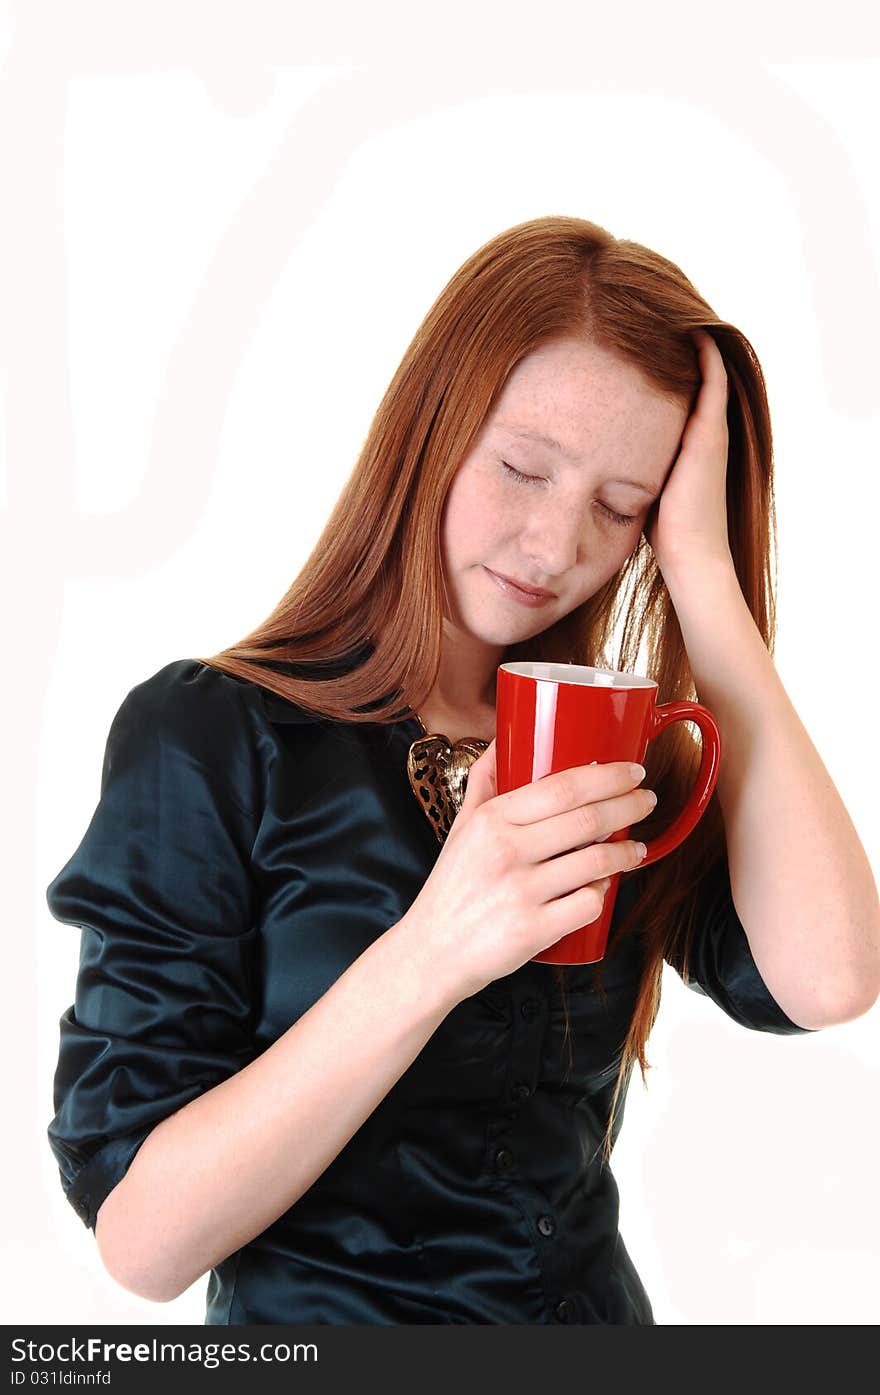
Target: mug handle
x,y
707,775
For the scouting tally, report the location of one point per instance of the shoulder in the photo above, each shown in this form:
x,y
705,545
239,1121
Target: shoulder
x,y
190,687
190,700
190,717
219,719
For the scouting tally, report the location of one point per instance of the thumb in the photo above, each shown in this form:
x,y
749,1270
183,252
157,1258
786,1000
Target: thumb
x,y
481,782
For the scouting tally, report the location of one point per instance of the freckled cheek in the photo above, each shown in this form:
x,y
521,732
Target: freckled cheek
x,y
477,520
470,529
600,559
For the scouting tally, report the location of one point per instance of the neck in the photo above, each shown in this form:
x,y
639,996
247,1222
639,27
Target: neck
x,y
455,725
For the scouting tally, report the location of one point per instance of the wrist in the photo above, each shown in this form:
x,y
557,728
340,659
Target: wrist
x,y
420,982
710,575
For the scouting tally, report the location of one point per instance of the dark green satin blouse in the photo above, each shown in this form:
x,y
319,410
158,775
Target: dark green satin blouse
x,y
242,854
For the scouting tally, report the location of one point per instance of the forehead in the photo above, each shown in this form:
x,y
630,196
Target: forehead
x,y
596,408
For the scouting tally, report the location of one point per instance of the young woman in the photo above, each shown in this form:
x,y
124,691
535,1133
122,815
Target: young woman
x,y
310,1051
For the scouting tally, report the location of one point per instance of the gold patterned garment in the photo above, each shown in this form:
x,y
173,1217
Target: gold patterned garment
x,y
438,770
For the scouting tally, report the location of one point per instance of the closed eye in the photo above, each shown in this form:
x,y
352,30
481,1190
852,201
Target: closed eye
x,y
623,520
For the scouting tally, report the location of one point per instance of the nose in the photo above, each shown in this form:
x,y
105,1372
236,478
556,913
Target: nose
x,y
554,544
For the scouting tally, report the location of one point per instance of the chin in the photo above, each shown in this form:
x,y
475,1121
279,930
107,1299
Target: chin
x,y
500,635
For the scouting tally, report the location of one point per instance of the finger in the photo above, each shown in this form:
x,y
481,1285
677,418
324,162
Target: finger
x,y
564,790
563,875
715,388
588,824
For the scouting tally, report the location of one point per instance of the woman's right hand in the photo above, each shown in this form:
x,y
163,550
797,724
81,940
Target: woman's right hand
x,y
520,870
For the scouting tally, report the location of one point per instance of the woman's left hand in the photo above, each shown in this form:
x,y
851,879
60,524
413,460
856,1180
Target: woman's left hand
x,y
687,525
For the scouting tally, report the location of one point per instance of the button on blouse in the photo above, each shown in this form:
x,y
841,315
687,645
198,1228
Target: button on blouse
x,y
242,854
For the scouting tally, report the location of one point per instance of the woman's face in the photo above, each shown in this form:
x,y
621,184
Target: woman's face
x,y
577,518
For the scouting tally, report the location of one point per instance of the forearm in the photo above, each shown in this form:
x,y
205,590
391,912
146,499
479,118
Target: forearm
x,y
801,881
218,1172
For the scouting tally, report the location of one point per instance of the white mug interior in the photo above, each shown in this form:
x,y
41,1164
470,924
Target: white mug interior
x,y
581,674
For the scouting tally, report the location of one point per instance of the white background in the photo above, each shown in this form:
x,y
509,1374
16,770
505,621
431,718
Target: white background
x,y
222,226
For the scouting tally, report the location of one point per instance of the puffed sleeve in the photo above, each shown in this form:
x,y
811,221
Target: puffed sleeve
x,y
721,965
162,888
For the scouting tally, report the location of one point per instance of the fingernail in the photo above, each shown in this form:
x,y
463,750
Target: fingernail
x,y
641,849
637,772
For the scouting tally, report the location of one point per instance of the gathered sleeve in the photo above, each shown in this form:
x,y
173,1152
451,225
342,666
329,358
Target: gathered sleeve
x,y
161,887
720,962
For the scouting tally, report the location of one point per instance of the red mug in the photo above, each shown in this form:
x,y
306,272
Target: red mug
x,y
552,717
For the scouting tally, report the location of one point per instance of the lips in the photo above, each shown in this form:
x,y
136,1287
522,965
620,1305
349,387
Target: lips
x,y
537,591
515,592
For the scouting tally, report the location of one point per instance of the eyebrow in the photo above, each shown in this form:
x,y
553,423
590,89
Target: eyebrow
x,y
543,439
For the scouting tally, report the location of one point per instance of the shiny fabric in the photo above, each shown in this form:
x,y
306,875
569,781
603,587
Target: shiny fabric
x,y
243,852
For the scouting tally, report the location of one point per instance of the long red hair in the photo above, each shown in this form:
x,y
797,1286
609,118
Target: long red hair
x,y
373,584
